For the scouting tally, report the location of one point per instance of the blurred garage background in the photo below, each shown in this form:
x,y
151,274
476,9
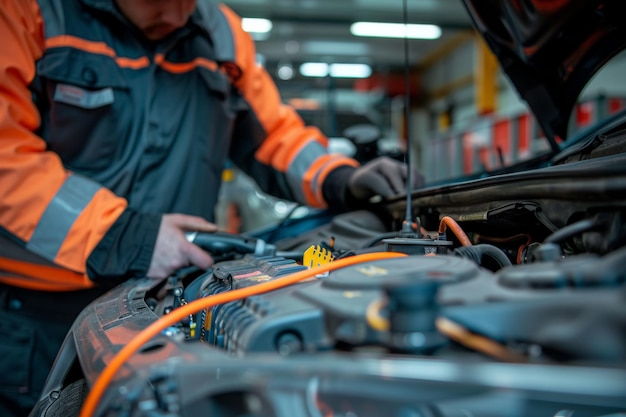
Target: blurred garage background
x,y
465,117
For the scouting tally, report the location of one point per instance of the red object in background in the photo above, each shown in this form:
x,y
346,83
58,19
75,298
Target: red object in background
x,y
393,84
468,153
502,140
585,113
523,132
615,105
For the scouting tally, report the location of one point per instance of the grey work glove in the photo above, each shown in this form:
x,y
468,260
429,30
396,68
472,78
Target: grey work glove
x,y
382,176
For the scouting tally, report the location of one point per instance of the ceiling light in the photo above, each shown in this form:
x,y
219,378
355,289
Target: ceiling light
x,y
395,30
325,48
320,69
350,70
314,69
253,25
285,72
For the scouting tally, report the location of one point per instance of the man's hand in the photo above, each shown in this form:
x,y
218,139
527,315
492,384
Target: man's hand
x,y
383,176
172,251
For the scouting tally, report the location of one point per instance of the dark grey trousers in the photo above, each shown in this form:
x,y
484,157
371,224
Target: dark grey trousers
x,y
33,324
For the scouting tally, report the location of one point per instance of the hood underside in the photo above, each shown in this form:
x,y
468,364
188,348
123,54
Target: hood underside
x,y
550,49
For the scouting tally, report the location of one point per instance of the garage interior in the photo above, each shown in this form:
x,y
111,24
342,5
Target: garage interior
x,y
495,285
465,116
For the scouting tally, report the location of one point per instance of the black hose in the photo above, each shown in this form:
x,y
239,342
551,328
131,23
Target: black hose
x,y
378,238
476,253
570,231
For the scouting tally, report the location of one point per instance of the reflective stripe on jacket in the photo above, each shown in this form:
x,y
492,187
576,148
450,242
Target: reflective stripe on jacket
x,y
94,118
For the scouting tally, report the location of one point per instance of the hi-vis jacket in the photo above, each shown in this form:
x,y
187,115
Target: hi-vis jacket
x,y
101,131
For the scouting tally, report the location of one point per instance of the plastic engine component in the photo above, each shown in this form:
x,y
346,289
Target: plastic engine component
x,y
316,315
516,304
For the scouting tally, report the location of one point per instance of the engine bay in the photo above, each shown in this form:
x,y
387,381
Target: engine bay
x,y
542,277
504,293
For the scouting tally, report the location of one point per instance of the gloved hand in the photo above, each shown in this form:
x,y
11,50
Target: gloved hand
x,y
382,176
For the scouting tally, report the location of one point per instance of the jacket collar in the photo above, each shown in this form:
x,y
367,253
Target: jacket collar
x,y
212,21
206,18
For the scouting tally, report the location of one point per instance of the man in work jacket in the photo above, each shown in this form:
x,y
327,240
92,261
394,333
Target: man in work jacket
x,y
116,117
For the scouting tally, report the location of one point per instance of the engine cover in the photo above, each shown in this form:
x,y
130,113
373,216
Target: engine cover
x,y
394,304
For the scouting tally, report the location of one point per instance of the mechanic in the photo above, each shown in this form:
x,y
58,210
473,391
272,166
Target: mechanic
x,y
116,117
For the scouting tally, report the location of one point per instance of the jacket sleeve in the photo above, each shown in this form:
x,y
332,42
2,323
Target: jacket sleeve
x,y
271,142
47,211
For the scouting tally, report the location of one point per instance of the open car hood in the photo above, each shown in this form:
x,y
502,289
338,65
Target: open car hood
x,y
550,49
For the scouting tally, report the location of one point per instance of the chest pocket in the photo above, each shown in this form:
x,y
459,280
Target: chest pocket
x,y
86,108
216,88
216,117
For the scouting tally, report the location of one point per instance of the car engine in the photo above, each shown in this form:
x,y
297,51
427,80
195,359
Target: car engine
x,y
506,297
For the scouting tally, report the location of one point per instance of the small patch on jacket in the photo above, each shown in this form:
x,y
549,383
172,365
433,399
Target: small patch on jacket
x,y
87,99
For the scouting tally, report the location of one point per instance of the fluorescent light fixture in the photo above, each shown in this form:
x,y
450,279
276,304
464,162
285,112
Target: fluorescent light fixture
x,y
350,70
314,69
326,48
253,25
395,30
320,69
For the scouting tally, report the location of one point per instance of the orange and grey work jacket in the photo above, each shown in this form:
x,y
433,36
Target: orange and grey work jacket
x,y
102,131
